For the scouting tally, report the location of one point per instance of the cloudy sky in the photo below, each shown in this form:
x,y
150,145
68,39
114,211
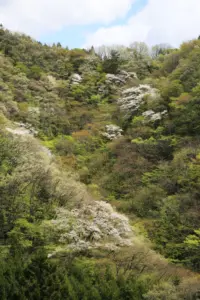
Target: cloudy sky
x,y
82,23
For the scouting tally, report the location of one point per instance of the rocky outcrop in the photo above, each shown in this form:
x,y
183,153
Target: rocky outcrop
x,y
150,115
132,98
114,79
76,79
112,132
22,129
26,130
94,225
121,78
127,75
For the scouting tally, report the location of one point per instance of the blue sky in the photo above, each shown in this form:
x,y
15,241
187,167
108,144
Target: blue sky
x,y
74,36
83,23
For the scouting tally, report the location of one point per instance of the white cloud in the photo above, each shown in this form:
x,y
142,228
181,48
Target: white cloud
x,y
37,17
160,21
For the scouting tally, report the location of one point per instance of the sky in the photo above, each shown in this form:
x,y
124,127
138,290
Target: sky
x,y
86,23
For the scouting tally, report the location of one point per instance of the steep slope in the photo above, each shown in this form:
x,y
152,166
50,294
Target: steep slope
x,y
78,130
52,209
86,223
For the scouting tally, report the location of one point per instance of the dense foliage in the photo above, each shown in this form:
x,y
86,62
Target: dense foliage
x,y
151,172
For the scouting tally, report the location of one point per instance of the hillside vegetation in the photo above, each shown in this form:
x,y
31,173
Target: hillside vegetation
x,y
99,171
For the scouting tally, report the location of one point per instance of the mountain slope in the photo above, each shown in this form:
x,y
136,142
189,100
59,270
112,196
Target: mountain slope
x,y
77,130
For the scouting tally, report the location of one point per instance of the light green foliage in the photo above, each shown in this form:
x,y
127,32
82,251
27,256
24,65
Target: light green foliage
x,y
152,172
192,245
3,119
78,92
174,89
138,121
196,91
161,147
23,234
35,72
94,99
193,240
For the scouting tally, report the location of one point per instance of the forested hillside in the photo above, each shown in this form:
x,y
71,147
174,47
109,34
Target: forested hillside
x,y
99,171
